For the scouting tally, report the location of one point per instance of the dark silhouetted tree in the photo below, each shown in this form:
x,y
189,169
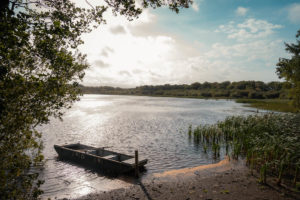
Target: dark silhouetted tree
x,y
40,67
289,69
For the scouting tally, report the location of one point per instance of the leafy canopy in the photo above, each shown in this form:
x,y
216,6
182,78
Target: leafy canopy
x,y
289,69
40,67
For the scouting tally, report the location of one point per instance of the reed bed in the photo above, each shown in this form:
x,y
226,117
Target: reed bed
x,y
270,143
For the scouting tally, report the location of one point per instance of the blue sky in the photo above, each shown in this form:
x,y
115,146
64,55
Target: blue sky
x,y
190,23
214,40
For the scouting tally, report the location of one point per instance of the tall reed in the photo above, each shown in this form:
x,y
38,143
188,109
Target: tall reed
x,y
270,143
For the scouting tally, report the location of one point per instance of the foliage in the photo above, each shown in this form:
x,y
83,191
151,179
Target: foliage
x,y
270,142
235,90
289,69
40,67
38,78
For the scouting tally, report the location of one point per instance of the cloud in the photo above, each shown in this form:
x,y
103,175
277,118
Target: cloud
x,y
106,51
262,50
241,11
241,61
137,71
124,73
145,55
249,29
101,64
145,25
117,30
294,13
195,6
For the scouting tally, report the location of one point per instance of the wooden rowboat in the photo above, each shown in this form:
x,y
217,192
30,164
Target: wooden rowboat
x,y
99,158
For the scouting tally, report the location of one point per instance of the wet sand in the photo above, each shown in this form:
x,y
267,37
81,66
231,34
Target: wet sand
x,y
226,180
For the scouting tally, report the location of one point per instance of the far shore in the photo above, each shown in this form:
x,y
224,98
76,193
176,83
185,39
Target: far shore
x,y
278,105
225,180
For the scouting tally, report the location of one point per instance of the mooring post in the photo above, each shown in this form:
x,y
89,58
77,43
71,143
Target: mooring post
x,y
136,163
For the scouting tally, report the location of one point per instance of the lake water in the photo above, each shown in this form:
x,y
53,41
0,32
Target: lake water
x,y
156,126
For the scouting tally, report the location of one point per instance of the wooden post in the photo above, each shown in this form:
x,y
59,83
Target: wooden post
x,y
136,163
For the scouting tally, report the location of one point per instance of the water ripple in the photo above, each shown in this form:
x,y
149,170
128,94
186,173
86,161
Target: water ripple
x,y
155,126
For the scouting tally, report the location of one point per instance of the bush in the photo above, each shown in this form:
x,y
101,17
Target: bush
x,y
206,94
256,95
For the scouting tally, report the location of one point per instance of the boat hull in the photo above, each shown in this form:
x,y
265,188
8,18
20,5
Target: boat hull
x,y
86,156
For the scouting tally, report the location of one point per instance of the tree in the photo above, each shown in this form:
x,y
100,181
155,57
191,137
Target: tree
x,y
276,86
196,85
289,69
40,67
224,84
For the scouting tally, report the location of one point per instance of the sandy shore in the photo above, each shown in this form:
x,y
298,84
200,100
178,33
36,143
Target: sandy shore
x,y
226,180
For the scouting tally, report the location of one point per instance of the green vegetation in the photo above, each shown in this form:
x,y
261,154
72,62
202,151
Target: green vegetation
x,y
270,143
281,105
289,69
233,90
40,66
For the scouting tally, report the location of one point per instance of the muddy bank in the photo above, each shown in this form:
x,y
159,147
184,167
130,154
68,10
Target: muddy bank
x,y
224,180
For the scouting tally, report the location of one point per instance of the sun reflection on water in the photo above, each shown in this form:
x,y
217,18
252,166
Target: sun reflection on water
x,y
155,126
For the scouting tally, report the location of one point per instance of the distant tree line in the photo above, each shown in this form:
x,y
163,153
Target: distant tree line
x,y
227,89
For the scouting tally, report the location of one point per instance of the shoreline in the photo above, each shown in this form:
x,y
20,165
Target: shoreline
x,y
226,180
221,165
272,105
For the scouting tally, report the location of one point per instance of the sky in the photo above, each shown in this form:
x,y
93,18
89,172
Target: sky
x,y
213,41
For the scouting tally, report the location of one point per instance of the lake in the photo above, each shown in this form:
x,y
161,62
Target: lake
x,y
155,126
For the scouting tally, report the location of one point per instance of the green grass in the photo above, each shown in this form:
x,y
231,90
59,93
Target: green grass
x,y
270,143
281,105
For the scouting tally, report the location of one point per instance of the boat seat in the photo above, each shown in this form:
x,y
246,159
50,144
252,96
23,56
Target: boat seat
x,y
130,161
110,157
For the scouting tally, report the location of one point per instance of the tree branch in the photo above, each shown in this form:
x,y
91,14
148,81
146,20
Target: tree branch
x,y
4,4
89,4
